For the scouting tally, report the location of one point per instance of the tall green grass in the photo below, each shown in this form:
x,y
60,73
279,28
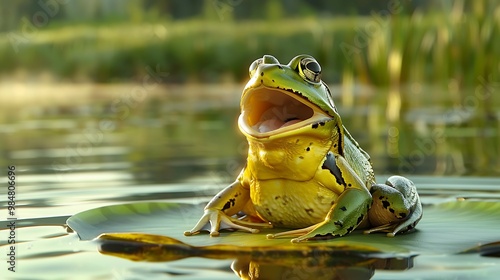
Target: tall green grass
x,y
438,47
456,46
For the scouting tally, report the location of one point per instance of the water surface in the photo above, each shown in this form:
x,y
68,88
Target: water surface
x,y
81,146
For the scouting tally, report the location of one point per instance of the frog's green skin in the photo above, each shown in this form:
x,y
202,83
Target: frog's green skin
x,y
304,170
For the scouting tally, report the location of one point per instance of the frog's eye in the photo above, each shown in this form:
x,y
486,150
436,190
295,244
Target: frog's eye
x,y
254,66
310,70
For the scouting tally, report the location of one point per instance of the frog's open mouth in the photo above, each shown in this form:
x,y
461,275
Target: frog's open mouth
x,y
266,111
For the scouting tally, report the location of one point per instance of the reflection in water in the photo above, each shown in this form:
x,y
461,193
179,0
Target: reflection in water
x,y
173,133
430,132
491,250
91,136
78,147
318,267
271,262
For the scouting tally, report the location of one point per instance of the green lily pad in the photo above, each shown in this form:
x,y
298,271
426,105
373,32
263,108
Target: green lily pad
x,y
449,227
462,230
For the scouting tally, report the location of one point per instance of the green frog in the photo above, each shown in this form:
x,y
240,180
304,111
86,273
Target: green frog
x,y
304,171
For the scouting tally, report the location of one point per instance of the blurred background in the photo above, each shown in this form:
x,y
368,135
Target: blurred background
x,y
107,100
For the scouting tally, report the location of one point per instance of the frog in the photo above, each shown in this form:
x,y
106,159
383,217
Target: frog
x,y
304,171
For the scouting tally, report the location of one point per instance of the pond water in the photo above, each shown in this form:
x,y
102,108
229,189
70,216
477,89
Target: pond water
x,y
78,147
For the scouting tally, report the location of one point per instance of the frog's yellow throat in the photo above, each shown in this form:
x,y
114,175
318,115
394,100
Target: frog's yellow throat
x,y
268,111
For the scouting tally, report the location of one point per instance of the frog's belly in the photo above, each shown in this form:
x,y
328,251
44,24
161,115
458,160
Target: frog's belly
x,y
291,204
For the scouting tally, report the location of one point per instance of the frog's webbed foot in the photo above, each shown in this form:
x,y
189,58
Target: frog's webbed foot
x,y
396,207
215,220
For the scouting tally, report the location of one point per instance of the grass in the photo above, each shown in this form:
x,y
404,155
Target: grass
x,y
440,47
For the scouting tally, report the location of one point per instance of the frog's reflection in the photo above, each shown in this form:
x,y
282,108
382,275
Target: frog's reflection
x,y
313,261
254,270
328,268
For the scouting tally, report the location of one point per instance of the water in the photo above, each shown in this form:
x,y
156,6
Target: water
x,y
77,147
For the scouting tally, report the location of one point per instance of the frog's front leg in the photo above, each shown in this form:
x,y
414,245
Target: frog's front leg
x,y
347,212
219,210
396,206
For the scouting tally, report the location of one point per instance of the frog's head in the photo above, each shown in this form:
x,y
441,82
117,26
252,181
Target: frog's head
x,y
283,99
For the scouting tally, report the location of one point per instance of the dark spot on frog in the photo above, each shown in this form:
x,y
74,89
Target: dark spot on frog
x,y
331,164
325,236
338,223
269,212
386,204
314,125
297,141
261,81
280,67
381,197
229,204
322,123
343,208
350,229
277,197
301,157
308,149
272,80
340,145
309,211
402,215
360,219
349,185
391,210
261,73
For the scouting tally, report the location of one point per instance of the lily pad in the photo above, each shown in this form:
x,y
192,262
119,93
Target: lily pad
x,y
462,230
449,227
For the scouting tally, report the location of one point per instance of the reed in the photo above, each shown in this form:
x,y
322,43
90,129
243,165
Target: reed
x,y
440,47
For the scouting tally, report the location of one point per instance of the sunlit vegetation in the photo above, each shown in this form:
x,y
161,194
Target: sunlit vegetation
x,y
457,46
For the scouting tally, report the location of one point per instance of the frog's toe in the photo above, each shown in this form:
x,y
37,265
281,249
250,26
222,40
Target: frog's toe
x,y
300,234
389,228
232,223
214,220
201,224
395,228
